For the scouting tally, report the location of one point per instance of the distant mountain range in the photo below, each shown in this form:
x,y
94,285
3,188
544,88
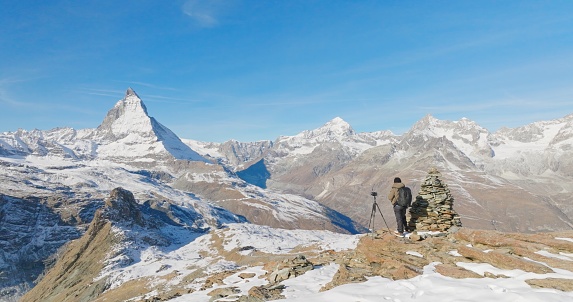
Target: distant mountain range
x,y
54,181
517,180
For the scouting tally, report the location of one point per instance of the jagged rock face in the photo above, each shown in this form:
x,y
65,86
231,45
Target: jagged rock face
x,y
465,141
233,154
117,233
30,233
564,135
238,152
74,276
121,207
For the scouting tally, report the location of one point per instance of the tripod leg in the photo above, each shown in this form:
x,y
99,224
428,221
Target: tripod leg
x,y
372,215
383,217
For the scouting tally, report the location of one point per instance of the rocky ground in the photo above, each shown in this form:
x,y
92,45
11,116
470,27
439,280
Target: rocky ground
x,y
383,254
396,258
378,254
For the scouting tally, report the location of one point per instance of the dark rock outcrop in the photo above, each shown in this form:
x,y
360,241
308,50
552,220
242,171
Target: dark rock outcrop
x,y
120,225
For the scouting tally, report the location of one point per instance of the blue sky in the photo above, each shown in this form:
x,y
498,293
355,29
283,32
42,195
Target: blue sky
x,y
253,70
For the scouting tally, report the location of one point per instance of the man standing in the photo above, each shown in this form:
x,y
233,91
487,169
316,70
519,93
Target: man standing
x,y
398,196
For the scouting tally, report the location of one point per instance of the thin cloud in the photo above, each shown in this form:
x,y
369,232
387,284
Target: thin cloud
x,y
169,100
5,96
207,13
146,98
150,85
103,92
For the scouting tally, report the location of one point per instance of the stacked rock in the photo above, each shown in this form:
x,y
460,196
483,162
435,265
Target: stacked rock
x,y
432,210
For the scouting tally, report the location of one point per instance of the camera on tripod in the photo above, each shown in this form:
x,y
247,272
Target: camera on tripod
x,y
373,214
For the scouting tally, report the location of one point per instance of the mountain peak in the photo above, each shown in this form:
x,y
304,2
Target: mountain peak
x,y
426,124
130,92
135,102
338,122
429,120
129,131
335,127
431,125
128,115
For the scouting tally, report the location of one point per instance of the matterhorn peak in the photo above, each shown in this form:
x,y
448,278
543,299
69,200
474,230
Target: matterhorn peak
x,y
128,131
131,97
127,116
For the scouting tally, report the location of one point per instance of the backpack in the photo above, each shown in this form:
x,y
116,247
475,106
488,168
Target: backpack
x,y
404,197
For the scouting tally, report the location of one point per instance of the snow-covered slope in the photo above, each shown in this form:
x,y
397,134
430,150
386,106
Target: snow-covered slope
x,y
535,149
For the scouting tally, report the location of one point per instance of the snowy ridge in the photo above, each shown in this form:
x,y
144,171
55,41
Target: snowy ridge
x,y
537,137
467,136
335,131
64,142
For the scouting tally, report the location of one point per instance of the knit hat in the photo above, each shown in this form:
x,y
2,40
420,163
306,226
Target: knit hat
x,y
397,180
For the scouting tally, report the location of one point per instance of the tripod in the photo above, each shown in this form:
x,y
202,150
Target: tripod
x,y
373,214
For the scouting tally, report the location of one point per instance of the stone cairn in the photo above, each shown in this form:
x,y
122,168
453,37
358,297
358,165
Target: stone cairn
x,y
432,210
